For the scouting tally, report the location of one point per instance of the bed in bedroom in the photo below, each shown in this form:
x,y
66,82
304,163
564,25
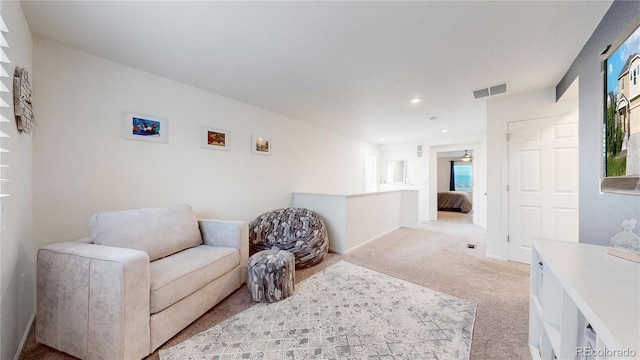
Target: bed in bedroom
x,y
459,201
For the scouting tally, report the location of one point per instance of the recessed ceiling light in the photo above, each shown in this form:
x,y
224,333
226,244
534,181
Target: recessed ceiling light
x,y
382,139
415,101
445,130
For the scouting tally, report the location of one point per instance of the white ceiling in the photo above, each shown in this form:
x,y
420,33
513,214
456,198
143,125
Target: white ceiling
x,y
348,66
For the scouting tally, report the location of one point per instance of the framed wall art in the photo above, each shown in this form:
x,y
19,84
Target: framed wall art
x,y
621,113
214,139
145,128
260,145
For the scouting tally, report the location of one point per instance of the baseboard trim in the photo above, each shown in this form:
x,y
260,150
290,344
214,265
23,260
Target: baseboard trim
x,y
334,250
373,238
346,251
24,336
495,257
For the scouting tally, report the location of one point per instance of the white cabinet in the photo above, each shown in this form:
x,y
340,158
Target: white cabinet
x,y
578,285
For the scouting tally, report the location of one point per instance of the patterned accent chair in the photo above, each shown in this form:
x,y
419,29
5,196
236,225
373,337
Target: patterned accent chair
x,y
299,231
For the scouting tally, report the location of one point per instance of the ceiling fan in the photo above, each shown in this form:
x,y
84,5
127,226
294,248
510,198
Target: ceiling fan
x,y
466,157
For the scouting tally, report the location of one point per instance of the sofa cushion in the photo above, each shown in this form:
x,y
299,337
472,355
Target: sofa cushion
x,y
174,277
157,231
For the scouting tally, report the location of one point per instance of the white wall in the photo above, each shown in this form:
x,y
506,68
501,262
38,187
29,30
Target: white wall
x,y
372,215
444,174
500,112
16,242
352,220
416,170
82,165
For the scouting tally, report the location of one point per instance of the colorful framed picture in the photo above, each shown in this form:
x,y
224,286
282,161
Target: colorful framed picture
x,y
145,128
260,145
214,139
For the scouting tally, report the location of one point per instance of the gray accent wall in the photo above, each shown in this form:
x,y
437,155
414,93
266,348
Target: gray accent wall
x,y
600,213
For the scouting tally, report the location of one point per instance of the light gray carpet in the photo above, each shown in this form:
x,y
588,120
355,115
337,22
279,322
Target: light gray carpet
x,y
343,312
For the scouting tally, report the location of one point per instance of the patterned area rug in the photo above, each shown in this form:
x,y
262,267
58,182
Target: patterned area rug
x,y
344,312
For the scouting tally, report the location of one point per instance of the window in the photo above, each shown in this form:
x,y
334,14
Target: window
x,y
5,100
462,176
370,174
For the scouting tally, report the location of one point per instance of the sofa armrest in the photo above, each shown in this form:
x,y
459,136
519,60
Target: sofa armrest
x,y
228,233
93,300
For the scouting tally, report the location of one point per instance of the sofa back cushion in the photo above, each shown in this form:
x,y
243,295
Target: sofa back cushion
x,y
157,231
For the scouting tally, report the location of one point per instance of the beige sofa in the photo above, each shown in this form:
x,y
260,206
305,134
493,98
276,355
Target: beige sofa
x,y
141,277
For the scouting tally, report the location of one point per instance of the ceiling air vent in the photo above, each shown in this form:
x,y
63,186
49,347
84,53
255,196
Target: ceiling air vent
x,y
498,89
490,91
481,93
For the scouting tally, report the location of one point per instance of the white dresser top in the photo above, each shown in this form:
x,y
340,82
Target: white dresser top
x,y
605,288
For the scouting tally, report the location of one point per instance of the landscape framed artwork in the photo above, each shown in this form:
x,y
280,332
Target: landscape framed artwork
x,y
260,145
145,128
214,139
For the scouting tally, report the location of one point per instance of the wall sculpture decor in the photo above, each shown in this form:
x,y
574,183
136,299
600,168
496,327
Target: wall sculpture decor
x,y
22,105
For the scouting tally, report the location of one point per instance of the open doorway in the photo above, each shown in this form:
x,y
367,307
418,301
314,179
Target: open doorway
x,y
455,186
440,172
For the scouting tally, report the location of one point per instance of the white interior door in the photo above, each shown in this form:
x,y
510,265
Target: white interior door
x,y
543,182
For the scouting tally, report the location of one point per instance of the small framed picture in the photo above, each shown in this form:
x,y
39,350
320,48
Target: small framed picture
x,y
260,145
145,128
214,139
